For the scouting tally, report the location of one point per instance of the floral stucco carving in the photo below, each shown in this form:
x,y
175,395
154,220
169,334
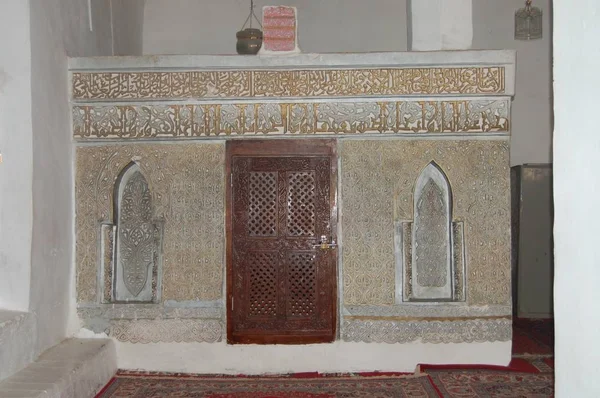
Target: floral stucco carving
x,y
187,185
378,178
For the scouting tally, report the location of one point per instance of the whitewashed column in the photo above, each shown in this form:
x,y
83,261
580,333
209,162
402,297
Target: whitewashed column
x,y
440,25
576,191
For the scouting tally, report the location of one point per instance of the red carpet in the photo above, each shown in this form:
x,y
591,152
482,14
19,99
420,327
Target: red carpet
x,y
492,383
525,365
128,385
529,374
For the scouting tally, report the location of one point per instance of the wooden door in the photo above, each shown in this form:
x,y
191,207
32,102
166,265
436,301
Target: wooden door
x,y
281,285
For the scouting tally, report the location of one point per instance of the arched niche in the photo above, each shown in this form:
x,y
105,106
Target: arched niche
x,y
136,239
432,247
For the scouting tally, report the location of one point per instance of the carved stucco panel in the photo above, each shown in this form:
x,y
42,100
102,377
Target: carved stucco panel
x,y
145,331
187,185
378,178
287,83
435,332
172,121
137,239
432,236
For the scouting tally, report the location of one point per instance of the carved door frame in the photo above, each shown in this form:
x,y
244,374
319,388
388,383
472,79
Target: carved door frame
x,y
281,147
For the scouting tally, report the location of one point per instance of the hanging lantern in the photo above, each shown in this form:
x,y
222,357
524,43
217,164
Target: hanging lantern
x,y
249,40
528,22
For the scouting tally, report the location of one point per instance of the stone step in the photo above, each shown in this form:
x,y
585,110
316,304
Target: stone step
x,y
18,331
76,368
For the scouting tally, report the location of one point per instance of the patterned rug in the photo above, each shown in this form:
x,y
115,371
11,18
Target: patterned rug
x,y
529,364
471,383
131,386
530,374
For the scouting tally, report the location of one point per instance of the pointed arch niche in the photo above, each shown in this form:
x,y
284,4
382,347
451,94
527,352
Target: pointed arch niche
x,y
429,255
132,265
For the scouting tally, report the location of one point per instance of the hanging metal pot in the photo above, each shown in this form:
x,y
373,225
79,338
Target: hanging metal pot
x,y
249,40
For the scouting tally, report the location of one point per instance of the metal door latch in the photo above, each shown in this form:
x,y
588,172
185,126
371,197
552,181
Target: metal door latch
x,y
323,245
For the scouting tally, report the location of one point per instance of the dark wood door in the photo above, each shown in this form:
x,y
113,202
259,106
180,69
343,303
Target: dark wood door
x,y
281,286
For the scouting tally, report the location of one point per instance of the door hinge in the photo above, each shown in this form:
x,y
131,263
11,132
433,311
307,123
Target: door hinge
x,y
231,180
232,303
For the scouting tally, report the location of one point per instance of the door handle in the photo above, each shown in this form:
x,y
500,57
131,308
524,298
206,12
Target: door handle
x,y
324,245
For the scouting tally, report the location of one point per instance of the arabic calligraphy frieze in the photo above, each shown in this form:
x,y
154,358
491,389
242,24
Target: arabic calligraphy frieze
x,y
155,85
204,120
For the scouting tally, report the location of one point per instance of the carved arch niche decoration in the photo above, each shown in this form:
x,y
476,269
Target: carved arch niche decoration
x,y
429,249
131,247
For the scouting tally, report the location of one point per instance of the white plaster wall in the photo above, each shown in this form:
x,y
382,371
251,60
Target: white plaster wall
x,y
18,331
440,25
576,193
336,357
59,28
36,190
127,26
493,28
15,146
209,27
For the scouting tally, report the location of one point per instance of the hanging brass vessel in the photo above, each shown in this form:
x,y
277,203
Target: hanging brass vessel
x,y
249,41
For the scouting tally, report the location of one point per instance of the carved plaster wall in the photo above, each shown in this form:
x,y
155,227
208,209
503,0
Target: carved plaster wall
x,y
378,178
331,82
428,107
431,239
177,121
167,330
187,186
434,331
136,272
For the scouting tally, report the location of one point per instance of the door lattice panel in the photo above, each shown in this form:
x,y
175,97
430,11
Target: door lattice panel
x,y
302,277
301,204
262,217
263,284
281,286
